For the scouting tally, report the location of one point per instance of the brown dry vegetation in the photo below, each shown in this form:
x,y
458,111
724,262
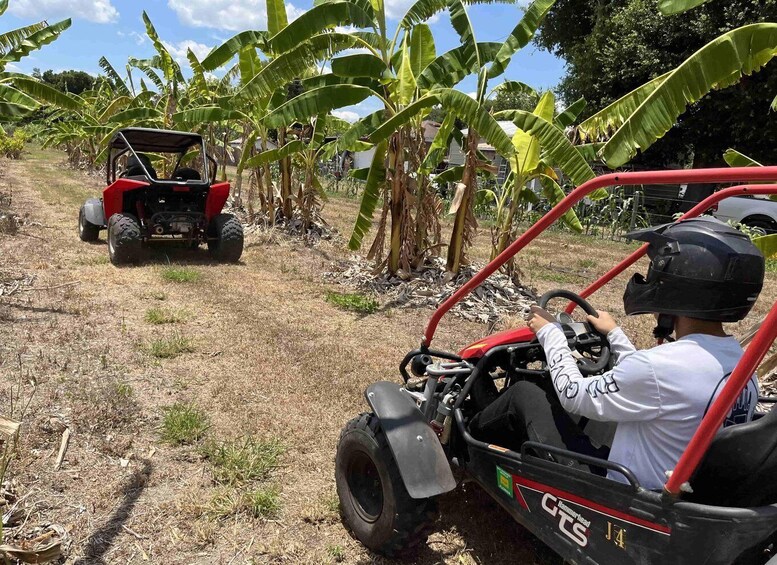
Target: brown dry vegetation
x,y
267,358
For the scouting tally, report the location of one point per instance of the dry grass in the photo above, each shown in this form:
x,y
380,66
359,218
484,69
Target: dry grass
x,y
273,360
184,423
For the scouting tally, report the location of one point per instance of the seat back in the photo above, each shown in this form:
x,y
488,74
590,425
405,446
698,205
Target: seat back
x,y
740,466
135,169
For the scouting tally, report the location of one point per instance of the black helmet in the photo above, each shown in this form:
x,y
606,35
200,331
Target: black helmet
x,y
135,161
699,268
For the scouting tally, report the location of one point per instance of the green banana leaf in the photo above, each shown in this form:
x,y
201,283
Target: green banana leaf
x,y
450,68
401,118
315,102
462,24
363,127
406,83
113,76
734,158
135,115
316,20
272,155
451,174
12,39
360,174
294,63
439,146
670,7
370,196
225,52
46,94
276,16
478,117
33,42
520,36
421,11
613,116
568,116
558,148
725,60
554,194
516,87
207,114
358,65
170,69
422,49
767,244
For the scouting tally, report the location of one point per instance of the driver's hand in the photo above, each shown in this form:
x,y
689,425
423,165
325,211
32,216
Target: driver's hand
x,y
604,324
538,318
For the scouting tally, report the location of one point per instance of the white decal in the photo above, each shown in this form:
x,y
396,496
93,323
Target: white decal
x,y
570,522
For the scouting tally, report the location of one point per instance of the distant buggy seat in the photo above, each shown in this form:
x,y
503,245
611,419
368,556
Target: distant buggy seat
x,y
136,164
740,467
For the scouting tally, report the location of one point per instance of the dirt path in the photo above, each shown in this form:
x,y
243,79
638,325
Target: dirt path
x,y
270,360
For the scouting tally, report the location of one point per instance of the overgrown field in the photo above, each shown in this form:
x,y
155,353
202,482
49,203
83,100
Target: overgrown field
x,y
205,400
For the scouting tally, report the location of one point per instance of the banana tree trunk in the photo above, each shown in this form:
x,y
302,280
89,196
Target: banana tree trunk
x,y
460,235
506,228
285,169
397,169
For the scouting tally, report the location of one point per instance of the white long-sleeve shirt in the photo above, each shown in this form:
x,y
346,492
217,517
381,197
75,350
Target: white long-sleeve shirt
x,y
657,396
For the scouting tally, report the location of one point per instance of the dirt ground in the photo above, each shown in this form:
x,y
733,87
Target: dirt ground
x,y
268,358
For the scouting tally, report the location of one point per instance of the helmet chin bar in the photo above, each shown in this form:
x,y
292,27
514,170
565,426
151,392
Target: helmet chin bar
x,y
664,328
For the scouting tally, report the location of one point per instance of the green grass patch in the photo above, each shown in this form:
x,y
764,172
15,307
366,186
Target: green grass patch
x,y
170,347
353,302
239,461
183,424
336,552
160,316
181,274
93,261
586,263
262,502
556,276
771,265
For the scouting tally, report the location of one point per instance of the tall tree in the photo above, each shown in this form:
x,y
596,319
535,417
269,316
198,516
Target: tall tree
x,y
614,47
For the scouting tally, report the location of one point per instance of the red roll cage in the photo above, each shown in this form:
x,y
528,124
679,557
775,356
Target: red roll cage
x,y
754,353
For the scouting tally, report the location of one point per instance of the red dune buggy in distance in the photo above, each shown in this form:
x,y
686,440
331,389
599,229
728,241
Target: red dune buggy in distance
x,y
718,506
138,207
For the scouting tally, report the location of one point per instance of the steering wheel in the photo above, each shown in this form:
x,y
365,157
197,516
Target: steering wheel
x,y
593,347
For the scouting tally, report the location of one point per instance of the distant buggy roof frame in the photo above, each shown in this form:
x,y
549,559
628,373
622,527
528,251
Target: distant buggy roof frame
x,y
149,140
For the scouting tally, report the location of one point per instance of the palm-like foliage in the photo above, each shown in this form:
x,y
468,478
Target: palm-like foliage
x,y
19,94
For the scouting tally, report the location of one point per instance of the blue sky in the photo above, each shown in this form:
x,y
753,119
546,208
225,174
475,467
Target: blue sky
x,y
114,28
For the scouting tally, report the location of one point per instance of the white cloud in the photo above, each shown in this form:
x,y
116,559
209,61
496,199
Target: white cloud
x,y
179,50
473,95
397,9
98,11
346,115
232,15
139,38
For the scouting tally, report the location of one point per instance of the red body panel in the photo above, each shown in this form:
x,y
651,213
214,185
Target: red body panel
x,y
480,347
217,197
113,195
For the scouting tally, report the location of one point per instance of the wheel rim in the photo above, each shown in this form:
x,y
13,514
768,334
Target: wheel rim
x,y
365,486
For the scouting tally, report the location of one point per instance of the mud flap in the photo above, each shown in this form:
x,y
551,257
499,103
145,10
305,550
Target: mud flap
x,y
93,212
421,460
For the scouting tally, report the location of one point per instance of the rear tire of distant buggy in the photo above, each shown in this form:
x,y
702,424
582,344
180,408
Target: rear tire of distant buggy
x,y
373,499
86,230
124,239
225,238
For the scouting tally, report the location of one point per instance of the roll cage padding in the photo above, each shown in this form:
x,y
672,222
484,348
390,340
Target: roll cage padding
x,y
416,448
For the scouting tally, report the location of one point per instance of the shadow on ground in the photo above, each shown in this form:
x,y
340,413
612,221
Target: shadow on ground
x,y
100,541
490,534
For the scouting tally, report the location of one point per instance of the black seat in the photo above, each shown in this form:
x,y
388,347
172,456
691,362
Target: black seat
x,y
185,173
740,466
135,169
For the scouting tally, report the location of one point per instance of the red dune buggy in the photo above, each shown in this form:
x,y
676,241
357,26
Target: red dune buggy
x,y
719,505
138,207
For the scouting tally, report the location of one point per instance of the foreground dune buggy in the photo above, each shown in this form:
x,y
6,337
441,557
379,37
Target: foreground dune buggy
x,y
138,207
719,505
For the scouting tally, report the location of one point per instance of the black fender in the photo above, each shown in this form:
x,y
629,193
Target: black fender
x,y
420,458
94,213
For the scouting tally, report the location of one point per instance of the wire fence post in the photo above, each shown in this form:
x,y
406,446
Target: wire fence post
x,y
635,208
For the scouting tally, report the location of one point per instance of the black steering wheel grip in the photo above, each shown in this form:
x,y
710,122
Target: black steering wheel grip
x,y
602,360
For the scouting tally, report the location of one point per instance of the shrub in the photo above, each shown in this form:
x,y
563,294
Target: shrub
x,y
12,146
235,462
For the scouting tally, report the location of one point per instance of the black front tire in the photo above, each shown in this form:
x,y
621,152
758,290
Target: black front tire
x,y
86,230
373,499
125,239
225,238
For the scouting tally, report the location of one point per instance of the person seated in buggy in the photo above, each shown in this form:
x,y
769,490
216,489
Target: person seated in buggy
x,y
702,274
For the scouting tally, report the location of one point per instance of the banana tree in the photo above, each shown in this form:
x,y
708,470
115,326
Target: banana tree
x,y
19,94
644,115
